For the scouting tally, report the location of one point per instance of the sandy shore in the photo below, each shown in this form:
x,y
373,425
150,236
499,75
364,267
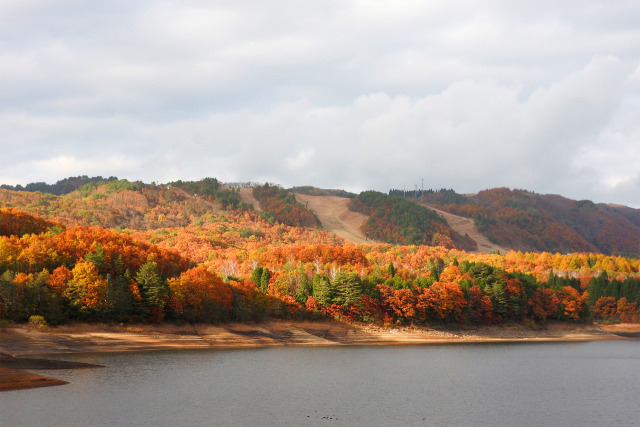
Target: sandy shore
x,y
17,379
14,377
20,341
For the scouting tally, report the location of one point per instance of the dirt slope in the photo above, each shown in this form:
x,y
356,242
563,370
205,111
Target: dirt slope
x,y
464,226
212,206
336,217
246,196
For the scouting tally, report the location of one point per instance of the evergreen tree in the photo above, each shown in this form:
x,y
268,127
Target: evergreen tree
x,y
256,275
498,296
305,287
597,288
153,289
434,274
97,258
264,279
120,303
322,289
348,289
391,270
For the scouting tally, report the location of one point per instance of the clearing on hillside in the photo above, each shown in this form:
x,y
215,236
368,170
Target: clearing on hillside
x,y
464,226
336,217
246,196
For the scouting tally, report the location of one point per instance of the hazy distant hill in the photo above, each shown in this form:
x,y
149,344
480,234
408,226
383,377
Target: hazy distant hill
x,y
64,186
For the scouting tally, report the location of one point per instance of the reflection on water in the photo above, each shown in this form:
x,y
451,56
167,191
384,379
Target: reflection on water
x,y
564,384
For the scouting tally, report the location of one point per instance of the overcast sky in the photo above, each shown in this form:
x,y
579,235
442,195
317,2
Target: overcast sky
x,y
469,95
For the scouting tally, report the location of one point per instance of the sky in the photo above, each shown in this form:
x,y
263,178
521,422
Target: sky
x,y
356,95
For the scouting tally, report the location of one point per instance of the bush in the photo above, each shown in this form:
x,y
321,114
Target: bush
x,y
38,321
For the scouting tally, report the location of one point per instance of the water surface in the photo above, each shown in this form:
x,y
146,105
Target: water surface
x,y
568,384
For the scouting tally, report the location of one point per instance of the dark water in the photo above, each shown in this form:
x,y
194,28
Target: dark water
x,y
545,384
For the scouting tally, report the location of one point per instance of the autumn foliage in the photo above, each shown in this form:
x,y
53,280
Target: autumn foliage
x,y
280,205
199,295
190,260
533,222
17,223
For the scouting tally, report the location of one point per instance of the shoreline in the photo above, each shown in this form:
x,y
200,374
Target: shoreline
x,y
20,342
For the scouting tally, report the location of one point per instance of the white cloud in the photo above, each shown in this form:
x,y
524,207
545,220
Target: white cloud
x,y
359,95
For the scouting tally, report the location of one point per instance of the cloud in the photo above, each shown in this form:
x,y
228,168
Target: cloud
x,y
358,95
67,165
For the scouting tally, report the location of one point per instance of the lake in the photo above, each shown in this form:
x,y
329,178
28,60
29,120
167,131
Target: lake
x,y
561,384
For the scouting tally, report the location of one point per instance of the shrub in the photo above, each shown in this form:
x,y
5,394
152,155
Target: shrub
x,y
38,321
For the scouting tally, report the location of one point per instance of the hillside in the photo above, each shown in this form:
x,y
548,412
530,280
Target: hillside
x,y
278,204
116,204
528,221
362,219
394,219
494,220
467,226
332,208
193,252
125,205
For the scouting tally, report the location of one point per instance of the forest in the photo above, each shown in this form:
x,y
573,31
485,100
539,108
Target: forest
x,y
121,252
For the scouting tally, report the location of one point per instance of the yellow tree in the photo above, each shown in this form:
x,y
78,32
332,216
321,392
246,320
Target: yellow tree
x,y
86,289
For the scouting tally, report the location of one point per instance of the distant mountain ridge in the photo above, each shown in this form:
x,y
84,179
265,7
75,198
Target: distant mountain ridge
x,y
517,219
